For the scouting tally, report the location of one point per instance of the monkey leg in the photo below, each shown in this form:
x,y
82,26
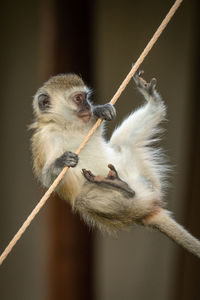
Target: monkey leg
x,y
105,202
112,179
139,128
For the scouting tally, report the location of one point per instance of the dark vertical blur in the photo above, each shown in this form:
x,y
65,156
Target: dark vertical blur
x,y
70,247
21,275
73,37
188,279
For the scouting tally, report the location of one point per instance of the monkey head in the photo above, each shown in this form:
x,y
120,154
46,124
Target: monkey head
x,y
64,95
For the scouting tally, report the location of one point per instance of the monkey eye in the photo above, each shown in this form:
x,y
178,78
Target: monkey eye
x,y
43,101
79,98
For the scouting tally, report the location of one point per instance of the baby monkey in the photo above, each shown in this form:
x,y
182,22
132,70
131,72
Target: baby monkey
x,y
131,190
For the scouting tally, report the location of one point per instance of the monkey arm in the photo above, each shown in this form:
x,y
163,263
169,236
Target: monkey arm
x,y
52,170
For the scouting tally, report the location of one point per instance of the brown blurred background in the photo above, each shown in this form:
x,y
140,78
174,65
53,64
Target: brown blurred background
x,y
58,258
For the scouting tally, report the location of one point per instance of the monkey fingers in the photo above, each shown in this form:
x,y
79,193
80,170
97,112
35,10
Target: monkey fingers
x,y
106,111
68,158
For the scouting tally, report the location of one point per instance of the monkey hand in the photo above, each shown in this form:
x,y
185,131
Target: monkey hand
x,y
105,112
112,180
68,158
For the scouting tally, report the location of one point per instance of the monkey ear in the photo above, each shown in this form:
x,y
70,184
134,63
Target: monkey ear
x,y
43,102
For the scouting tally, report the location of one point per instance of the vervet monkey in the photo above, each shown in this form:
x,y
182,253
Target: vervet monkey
x,y
132,191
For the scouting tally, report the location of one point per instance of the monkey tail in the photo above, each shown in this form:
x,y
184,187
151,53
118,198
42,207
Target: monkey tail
x,y
167,225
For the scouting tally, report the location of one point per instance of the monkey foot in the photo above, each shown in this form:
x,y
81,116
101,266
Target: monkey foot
x,y
112,179
147,87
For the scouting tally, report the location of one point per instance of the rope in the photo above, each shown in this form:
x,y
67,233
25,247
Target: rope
x,y
91,132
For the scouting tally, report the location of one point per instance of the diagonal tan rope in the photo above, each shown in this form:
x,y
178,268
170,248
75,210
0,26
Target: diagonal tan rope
x,y
92,131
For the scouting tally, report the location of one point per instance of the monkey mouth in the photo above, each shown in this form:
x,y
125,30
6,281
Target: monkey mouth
x,y
85,116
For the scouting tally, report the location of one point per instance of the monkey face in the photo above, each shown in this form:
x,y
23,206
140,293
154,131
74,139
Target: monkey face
x,y
66,96
73,104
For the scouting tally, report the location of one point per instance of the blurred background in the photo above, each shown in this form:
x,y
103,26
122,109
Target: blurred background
x,y
58,257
